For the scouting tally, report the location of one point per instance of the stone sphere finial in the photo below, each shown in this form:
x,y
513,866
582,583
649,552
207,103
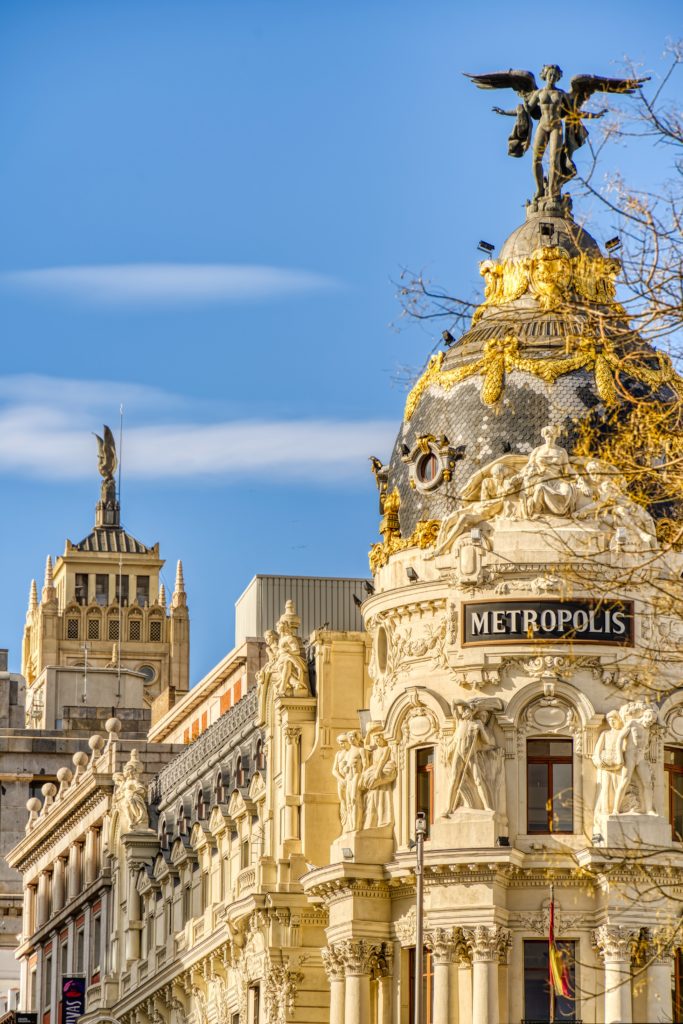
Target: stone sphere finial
x,y
80,758
33,805
95,743
64,775
113,726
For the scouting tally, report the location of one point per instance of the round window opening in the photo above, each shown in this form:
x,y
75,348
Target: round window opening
x,y
148,672
382,649
428,468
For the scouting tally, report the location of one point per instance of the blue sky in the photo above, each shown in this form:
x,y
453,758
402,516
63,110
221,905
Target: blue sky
x,y
204,206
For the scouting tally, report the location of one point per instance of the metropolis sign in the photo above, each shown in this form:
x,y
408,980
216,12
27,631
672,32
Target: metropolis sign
x,y
581,621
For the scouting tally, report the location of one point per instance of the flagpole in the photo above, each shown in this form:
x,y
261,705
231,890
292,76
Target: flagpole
x,y
551,939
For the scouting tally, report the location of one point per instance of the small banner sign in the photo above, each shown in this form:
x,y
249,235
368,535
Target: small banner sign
x,y
73,999
22,1017
581,621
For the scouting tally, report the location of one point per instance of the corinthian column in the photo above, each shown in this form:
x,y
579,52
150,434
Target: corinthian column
x,y
440,942
487,945
659,968
615,945
333,963
358,957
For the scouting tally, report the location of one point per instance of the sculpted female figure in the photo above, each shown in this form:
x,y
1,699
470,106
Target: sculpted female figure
x,y
376,784
560,131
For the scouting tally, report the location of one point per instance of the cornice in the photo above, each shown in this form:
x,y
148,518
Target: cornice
x,y
62,820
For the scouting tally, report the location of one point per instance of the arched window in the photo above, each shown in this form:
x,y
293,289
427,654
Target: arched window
x,y
239,773
200,805
219,788
163,835
182,823
260,756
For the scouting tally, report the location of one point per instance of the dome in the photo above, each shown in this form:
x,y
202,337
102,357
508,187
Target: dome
x,y
545,347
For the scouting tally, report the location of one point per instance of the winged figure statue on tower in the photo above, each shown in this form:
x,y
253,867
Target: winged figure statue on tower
x,y
559,114
107,463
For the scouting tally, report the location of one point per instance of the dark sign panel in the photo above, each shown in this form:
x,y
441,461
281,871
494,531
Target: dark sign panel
x,y
73,999
581,621
20,1017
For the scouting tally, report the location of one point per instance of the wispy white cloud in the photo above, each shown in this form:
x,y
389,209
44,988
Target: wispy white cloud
x,y
46,425
157,284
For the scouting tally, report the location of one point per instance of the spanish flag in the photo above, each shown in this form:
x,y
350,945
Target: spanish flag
x,y
557,959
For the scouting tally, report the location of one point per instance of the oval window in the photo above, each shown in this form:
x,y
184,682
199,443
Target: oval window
x,y
148,672
382,649
428,468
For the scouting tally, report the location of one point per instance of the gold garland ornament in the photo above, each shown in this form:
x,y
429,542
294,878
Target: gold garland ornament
x,y
423,536
502,355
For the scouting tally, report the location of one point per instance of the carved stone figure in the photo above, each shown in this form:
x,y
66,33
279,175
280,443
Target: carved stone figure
x,y
285,669
377,781
339,772
106,464
131,795
634,741
365,775
612,506
469,755
549,483
354,764
560,118
607,759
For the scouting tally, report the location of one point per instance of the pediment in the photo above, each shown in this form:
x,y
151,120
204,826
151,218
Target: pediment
x,y
199,837
257,787
160,869
236,805
180,853
218,821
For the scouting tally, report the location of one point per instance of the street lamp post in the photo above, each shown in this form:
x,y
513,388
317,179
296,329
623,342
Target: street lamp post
x,y
420,833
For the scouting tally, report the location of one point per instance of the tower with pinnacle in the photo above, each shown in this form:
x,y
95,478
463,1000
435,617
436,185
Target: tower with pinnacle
x,y
102,607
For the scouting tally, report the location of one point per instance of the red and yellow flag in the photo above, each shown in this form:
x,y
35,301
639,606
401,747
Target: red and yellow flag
x,y
557,960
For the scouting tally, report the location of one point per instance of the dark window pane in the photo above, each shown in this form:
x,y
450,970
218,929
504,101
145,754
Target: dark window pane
x,y
560,748
102,589
537,797
537,986
563,798
424,785
538,748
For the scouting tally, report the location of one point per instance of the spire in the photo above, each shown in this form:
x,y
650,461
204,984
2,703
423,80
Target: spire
x,y
162,596
179,596
49,592
33,596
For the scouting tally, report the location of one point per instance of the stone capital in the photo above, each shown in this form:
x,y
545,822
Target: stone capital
x,y
358,955
487,943
333,962
442,944
616,942
658,945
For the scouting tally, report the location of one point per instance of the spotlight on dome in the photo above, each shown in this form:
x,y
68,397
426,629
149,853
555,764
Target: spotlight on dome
x,y
486,247
612,244
411,574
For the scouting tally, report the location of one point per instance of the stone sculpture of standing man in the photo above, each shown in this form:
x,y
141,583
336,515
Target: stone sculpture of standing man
x,y
471,744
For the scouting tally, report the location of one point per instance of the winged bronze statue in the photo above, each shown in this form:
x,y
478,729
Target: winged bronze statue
x,y
559,114
107,463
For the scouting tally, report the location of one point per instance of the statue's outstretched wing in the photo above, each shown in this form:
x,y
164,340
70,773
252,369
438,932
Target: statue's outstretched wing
x,y
583,86
106,453
522,82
